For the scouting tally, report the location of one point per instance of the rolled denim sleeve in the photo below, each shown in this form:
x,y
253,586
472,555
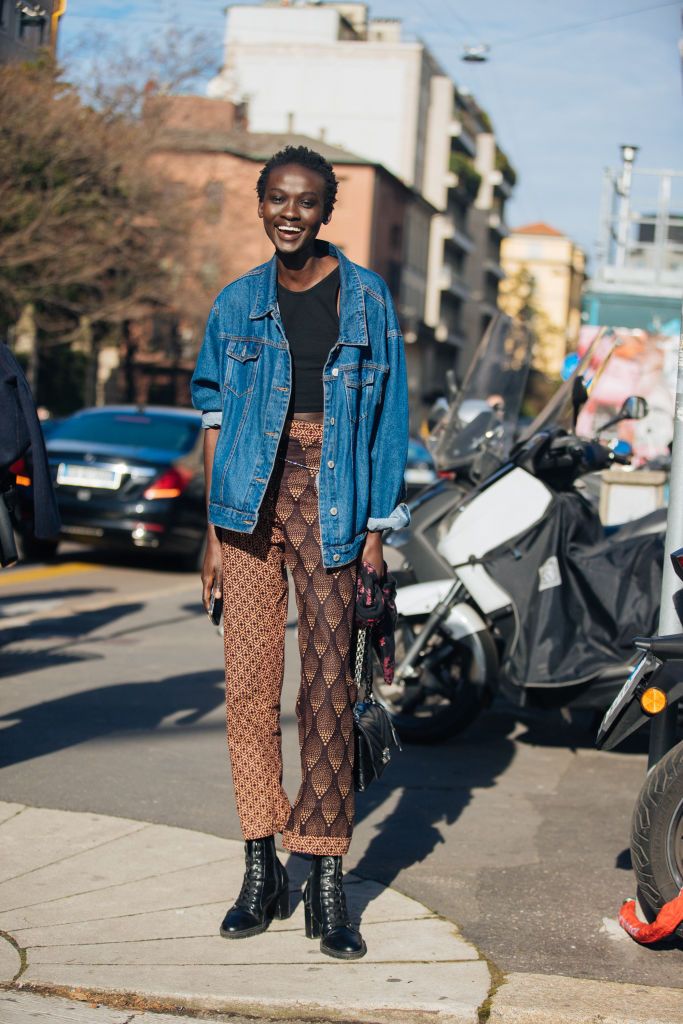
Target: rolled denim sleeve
x,y
389,446
205,386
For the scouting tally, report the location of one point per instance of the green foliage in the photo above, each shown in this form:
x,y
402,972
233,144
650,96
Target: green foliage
x,y
469,178
504,165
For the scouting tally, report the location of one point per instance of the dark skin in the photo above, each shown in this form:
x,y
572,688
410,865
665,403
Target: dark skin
x,y
292,211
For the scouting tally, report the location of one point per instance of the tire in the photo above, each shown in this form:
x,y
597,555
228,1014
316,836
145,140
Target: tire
x,y
449,692
657,834
34,549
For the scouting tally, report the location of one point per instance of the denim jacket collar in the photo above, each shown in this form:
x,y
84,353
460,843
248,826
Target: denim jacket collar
x,y
352,323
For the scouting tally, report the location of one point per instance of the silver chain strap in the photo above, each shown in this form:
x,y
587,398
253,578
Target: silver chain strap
x,y
363,673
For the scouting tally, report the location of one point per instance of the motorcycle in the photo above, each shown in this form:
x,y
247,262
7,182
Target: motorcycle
x,y
654,685
521,591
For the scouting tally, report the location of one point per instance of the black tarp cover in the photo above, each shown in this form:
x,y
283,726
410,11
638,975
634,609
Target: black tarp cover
x,y
579,597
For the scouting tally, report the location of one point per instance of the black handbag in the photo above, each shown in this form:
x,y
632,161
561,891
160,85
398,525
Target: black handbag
x,y
374,734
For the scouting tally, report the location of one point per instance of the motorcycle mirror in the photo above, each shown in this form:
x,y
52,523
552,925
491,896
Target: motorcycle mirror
x,y
451,384
634,408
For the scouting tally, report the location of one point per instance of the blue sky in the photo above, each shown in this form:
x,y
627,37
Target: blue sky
x,y
564,89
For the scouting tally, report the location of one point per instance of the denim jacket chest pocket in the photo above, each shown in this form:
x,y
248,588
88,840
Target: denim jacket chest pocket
x,y
241,365
359,385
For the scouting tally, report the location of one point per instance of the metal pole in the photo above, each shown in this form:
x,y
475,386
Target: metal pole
x,y
663,726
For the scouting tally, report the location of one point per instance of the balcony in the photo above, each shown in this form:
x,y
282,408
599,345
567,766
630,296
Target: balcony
x,y
455,237
500,183
462,138
497,224
452,284
494,268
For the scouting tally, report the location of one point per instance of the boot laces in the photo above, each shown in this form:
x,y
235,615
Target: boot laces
x,y
333,903
252,884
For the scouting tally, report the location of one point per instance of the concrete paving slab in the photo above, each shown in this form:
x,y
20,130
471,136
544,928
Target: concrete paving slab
x,y
9,810
108,920
206,883
10,961
63,835
31,1008
284,942
552,999
335,990
143,852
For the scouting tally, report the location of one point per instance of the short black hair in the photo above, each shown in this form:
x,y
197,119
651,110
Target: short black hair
x,y
305,158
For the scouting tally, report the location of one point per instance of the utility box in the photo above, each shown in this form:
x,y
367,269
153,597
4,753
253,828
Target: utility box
x,y
629,494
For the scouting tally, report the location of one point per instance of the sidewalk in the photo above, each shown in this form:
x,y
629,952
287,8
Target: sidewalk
x,y
126,914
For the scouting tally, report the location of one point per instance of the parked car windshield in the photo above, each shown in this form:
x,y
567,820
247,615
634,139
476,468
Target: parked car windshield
x,y
130,430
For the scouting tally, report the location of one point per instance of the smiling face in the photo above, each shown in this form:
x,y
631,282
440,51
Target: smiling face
x,y
293,208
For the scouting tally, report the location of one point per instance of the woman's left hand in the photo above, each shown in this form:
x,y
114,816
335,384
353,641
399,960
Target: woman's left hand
x,y
373,553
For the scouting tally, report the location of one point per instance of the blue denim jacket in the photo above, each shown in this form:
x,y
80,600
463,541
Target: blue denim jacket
x,y
243,382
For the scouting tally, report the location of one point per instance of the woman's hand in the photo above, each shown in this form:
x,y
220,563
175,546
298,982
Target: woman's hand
x,y
373,553
212,569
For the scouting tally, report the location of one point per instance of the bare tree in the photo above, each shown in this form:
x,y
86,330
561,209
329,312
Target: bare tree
x,y
90,237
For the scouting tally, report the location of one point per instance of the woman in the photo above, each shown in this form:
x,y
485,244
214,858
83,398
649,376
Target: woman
x,y
301,380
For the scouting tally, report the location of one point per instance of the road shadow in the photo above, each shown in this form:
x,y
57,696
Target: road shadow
x,y
128,707
34,652
436,784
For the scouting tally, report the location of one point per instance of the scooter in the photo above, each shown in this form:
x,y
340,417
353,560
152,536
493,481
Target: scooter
x,y
526,594
654,685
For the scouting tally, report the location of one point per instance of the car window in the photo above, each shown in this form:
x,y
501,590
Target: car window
x,y
130,430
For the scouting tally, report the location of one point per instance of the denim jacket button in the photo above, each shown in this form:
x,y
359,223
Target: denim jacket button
x,y
335,372
333,511
331,421
330,464
335,558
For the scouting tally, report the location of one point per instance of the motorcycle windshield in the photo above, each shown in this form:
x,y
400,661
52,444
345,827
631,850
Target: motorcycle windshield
x,y
490,398
559,410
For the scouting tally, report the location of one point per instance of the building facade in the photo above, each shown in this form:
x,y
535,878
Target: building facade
x,y
350,80
28,26
557,270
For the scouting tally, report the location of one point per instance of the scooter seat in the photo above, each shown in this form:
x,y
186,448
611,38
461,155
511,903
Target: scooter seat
x,y
666,648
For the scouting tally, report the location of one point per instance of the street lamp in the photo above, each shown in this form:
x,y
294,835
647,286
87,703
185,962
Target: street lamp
x,y
628,156
628,153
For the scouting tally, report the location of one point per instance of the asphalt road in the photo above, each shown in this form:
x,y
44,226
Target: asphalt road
x,y
111,700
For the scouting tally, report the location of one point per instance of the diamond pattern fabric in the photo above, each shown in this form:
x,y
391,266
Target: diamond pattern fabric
x,y
287,536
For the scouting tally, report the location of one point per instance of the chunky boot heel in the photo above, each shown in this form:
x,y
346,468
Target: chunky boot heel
x,y
312,926
282,905
326,915
264,893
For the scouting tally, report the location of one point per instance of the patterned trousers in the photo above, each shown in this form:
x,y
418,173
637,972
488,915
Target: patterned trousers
x,y
255,590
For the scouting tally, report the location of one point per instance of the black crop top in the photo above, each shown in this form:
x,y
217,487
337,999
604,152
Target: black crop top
x,y
311,324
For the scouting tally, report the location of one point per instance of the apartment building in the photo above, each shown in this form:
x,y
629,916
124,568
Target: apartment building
x,y
27,26
344,78
557,266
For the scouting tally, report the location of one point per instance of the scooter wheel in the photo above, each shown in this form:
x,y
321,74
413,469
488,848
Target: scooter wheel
x,y
657,834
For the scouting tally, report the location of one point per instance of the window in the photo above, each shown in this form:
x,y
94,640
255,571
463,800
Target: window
x,y
3,13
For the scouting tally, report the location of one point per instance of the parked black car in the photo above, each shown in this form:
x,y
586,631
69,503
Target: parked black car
x,y
126,477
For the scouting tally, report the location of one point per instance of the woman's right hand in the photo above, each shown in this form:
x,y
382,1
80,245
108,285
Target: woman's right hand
x,y
212,569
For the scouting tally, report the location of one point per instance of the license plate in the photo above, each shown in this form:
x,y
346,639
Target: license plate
x,y
73,475
646,663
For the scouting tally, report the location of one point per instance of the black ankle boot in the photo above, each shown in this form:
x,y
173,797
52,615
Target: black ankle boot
x,y
264,893
326,915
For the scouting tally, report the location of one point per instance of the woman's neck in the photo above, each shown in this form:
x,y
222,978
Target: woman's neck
x,y
299,271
